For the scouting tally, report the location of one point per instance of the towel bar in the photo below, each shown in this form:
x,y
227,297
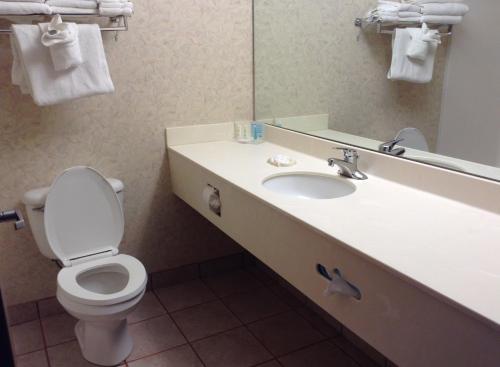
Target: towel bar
x,y
120,22
388,28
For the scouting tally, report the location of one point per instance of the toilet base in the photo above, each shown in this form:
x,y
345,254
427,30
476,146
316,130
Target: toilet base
x,y
104,343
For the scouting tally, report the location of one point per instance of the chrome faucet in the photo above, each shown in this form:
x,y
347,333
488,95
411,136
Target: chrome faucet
x,y
389,147
13,216
348,167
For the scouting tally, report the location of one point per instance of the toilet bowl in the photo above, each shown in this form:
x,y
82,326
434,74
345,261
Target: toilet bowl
x,y
83,227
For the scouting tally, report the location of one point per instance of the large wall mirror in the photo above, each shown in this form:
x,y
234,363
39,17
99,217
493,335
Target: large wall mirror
x,y
318,74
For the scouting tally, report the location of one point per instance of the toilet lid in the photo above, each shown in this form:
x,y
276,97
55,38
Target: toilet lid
x,y
83,215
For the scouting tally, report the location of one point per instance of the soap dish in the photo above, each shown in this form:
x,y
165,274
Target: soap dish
x,y
281,160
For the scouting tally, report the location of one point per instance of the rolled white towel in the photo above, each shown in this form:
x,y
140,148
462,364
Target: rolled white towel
x,y
420,2
442,19
445,9
62,41
113,12
113,1
23,8
388,5
117,5
24,1
70,10
84,4
409,14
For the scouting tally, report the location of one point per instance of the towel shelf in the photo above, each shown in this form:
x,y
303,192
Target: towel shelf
x,y
377,25
118,23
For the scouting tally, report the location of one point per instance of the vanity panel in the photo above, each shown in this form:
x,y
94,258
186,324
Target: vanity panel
x,y
410,326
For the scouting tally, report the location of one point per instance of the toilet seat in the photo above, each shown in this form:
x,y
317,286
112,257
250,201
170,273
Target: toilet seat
x,y
68,280
83,216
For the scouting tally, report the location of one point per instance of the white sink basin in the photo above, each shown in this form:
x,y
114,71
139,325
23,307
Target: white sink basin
x,y
309,185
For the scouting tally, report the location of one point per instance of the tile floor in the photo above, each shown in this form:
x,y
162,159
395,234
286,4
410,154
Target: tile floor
x,y
238,319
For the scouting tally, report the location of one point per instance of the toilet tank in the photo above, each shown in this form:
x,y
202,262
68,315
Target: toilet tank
x,y
34,201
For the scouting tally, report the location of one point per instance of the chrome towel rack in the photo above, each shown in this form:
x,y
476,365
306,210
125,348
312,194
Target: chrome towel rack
x,y
378,26
117,24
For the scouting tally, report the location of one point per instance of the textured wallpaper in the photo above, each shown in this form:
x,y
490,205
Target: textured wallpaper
x,y
309,61
181,63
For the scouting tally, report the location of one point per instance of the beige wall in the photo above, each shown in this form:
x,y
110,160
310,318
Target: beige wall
x,y
182,62
309,61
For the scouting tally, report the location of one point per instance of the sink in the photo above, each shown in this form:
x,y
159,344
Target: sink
x,y
437,162
309,185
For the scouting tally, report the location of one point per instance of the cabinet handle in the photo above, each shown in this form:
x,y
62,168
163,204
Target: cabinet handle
x,y
337,284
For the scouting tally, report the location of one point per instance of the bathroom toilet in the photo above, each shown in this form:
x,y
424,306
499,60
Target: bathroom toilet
x,y
79,222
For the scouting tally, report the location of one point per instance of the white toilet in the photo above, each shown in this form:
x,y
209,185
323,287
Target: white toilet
x,y
79,222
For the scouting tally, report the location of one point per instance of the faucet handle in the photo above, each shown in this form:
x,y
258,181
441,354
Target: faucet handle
x,y
350,155
389,146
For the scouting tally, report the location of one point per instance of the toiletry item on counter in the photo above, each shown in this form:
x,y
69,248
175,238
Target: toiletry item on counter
x,y
242,132
281,160
257,132
249,132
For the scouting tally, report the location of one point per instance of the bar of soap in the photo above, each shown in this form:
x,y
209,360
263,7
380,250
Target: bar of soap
x,y
281,160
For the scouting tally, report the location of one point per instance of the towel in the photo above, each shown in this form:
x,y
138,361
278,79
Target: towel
x,y
420,42
111,9
62,42
405,68
23,8
445,9
70,10
33,71
420,2
23,1
385,5
442,19
85,4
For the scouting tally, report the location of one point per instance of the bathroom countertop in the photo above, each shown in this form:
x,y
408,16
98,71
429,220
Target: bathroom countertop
x,y
438,244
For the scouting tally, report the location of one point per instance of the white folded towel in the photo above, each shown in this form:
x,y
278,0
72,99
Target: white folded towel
x,y
23,1
419,45
32,69
71,10
442,19
23,8
114,9
85,4
117,5
405,68
444,9
420,2
385,5
62,41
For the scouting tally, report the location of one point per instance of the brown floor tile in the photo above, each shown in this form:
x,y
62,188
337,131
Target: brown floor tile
x,y
204,320
59,329
68,355
148,307
323,354
221,265
285,333
174,276
232,283
366,348
235,348
27,337
271,364
178,357
253,306
185,295
24,312
153,336
34,359
355,353
320,324
265,275
287,296
50,307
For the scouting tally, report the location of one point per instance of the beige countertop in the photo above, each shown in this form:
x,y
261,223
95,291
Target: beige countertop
x,y
446,246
